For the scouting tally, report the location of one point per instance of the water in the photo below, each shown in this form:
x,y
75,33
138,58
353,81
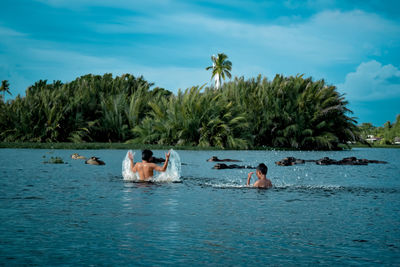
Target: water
x,y
73,213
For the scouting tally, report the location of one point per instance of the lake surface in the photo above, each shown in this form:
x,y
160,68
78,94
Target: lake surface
x,y
78,214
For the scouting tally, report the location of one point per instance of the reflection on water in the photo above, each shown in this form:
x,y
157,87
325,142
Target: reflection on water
x,y
88,215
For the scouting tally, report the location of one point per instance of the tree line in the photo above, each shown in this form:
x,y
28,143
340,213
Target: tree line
x,y
286,112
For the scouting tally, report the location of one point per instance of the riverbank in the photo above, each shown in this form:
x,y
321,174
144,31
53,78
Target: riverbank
x,y
375,146
142,146
92,146
114,146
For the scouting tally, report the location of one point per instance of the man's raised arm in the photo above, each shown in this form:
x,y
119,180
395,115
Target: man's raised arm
x,y
249,177
131,160
164,167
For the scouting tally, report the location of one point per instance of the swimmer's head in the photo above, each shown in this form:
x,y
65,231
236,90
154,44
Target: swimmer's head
x,y
146,155
262,168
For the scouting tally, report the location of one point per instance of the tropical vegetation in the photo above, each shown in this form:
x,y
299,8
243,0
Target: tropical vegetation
x,y
221,67
387,134
5,88
286,112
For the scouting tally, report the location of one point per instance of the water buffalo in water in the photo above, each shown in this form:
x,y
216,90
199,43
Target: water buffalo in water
x,y
347,161
222,166
95,161
289,161
216,159
77,156
327,161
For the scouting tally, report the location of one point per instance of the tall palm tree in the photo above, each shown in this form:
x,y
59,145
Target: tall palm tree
x,y
221,67
5,87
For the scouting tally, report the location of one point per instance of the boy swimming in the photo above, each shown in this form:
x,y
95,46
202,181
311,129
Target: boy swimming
x,y
261,173
146,167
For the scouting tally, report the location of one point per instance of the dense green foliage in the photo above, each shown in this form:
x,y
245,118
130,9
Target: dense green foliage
x,y
387,133
287,112
91,108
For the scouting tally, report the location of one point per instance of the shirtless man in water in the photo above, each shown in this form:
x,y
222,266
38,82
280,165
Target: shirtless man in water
x,y
261,173
146,167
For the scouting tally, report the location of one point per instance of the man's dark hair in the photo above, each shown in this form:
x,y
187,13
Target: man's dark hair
x,y
262,168
146,155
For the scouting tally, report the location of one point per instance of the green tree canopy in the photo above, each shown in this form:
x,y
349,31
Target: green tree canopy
x,y
286,112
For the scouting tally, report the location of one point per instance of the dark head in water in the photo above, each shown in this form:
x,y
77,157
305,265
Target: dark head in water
x,y
95,161
262,168
147,155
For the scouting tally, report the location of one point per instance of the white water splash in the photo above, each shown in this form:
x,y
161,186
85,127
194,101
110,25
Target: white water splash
x,y
228,185
127,174
172,174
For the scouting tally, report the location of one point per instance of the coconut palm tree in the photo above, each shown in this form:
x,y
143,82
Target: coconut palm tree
x,y
5,88
221,67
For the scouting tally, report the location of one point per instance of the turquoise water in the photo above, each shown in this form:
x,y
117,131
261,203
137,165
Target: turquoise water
x,y
77,214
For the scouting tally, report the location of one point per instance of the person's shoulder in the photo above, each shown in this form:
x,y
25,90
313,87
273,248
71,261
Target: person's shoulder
x,y
151,165
263,183
268,184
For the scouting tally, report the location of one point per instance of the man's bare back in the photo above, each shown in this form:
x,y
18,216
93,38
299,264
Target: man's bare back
x,y
145,169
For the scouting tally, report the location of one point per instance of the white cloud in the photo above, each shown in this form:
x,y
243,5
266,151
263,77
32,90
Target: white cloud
x,y
66,57
372,81
312,4
4,31
174,78
143,6
307,46
66,65
326,38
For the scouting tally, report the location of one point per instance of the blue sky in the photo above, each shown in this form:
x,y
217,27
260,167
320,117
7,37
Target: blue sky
x,y
354,45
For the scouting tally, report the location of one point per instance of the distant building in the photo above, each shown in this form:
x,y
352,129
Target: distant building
x,y
397,140
372,138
